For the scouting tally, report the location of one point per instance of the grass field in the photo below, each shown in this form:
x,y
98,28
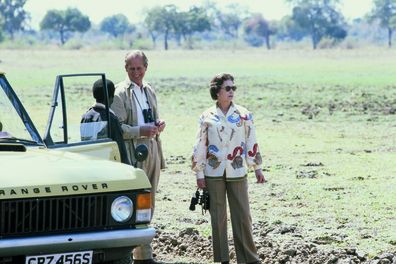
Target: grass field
x,y
326,123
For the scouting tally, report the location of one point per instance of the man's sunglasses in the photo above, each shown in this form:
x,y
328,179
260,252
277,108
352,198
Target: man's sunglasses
x,y
228,88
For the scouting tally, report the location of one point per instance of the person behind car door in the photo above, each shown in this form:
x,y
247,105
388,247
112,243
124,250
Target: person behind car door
x,y
98,113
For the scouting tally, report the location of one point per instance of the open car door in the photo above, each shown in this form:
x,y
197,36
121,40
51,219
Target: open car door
x,y
71,99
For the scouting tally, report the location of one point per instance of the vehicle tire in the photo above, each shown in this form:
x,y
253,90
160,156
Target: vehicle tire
x,y
124,260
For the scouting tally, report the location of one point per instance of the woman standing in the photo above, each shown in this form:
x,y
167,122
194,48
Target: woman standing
x,y
226,145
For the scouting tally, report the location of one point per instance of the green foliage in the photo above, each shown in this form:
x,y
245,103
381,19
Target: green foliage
x,y
168,19
258,26
24,42
161,19
190,22
366,32
153,23
320,19
65,21
197,20
230,24
12,16
288,29
116,25
230,19
385,12
142,44
1,31
208,25
392,22
73,44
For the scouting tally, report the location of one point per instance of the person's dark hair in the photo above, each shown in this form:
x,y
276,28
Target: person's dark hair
x,y
217,81
98,91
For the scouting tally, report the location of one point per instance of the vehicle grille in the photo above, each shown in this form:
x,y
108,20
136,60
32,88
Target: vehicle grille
x,y
52,215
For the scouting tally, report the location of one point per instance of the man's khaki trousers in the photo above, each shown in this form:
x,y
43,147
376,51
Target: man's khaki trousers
x,y
152,167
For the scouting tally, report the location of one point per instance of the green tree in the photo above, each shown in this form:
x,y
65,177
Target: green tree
x,y
161,19
116,25
1,26
230,20
385,12
260,27
226,20
288,29
230,24
320,18
153,24
190,22
14,17
65,21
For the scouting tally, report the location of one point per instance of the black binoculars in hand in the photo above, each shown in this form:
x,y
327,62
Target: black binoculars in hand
x,y
148,115
200,197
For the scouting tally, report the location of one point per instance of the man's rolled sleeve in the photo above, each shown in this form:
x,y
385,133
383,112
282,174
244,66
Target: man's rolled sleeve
x,y
128,131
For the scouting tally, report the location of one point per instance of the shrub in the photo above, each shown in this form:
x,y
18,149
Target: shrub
x,y
142,44
73,44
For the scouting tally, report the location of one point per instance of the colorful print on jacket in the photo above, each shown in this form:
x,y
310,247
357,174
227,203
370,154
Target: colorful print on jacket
x,y
226,143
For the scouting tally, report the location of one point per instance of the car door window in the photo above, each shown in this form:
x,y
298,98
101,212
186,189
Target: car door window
x,y
11,124
93,130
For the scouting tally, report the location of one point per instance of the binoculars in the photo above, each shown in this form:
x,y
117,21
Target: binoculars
x,y
148,115
201,197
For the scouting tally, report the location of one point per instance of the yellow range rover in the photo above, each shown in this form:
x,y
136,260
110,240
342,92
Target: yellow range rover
x,y
65,197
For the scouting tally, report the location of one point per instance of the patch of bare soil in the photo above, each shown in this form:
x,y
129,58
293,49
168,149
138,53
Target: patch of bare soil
x,y
189,244
362,105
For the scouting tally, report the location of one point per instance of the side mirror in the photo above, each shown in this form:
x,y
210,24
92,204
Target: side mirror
x,y
141,152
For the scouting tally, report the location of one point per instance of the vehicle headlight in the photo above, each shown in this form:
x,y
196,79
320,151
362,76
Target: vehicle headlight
x,y
122,209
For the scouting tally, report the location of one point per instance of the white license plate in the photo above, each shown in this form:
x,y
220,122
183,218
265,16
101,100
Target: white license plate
x,y
84,257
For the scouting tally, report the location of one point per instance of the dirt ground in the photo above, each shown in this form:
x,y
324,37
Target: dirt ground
x,y
189,246
185,237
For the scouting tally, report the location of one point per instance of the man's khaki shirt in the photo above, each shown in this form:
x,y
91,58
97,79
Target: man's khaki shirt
x,y
126,111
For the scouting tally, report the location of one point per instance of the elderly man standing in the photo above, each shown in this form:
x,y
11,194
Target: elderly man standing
x,y
135,104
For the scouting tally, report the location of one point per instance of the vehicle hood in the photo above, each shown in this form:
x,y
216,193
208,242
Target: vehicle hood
x,y
42,172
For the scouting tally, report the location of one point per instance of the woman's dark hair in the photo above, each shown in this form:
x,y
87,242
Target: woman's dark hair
x,y
217,81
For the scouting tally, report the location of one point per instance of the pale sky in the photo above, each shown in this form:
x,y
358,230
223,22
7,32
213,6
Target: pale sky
x,y
133,9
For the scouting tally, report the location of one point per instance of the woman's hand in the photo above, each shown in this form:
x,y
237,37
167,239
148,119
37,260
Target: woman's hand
x,y
259,176
201,183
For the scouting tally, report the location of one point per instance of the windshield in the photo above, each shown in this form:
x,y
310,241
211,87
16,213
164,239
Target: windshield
x,y
15,125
